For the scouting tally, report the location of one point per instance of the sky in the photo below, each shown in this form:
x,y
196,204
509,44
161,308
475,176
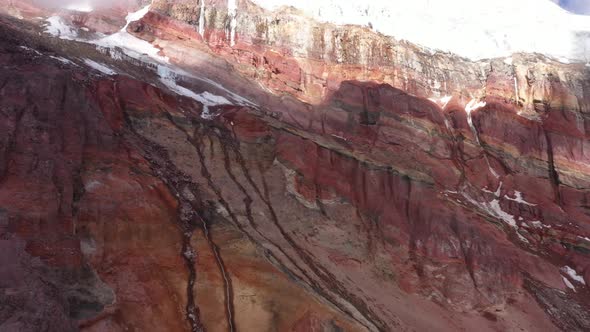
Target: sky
x,y
575,6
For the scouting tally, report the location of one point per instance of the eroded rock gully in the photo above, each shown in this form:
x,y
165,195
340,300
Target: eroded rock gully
x,y
356,197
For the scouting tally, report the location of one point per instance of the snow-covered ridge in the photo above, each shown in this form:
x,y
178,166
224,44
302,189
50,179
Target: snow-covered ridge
x,y
475,29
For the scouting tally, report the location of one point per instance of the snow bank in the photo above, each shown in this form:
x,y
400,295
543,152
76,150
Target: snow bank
x,y
473,29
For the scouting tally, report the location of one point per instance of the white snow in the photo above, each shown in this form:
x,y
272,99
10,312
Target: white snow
x,y
474,29
584,238
573,274
518,198
82,6
497,192
63,60
473,105
494,209
100,67
58,28
443,101
30,50
568,284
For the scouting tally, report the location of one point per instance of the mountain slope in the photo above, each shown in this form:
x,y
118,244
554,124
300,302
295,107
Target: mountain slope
x,y
221,167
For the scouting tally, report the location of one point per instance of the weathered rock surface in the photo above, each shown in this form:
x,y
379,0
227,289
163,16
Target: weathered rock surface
x,y
375,187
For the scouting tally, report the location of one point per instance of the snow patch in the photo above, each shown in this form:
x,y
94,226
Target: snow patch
x,y
573,274
473,105
493,209
443,102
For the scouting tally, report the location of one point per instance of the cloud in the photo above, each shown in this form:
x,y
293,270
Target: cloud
x,y
83,3
575,6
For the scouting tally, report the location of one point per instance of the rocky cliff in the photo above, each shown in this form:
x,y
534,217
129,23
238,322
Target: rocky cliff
x,y
259,170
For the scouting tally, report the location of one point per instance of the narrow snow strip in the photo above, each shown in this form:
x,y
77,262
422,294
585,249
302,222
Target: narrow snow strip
x,y
573,274
63,60
100,67
30,50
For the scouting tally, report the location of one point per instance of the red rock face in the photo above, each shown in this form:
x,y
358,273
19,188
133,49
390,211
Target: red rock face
x,y
347,200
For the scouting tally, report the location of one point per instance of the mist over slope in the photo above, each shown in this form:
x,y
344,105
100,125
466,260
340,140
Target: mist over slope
x,y
474,29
